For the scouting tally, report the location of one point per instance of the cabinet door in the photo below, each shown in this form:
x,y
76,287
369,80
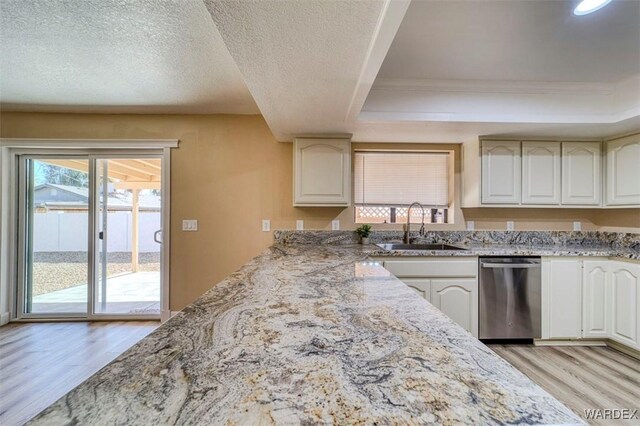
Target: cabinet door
x,y
458,299
501,172
322,172
540,172
561,298
623,171
581,173
595,304
420,285
625,280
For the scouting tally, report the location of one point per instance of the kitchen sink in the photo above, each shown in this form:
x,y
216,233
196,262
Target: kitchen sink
x,y
419,247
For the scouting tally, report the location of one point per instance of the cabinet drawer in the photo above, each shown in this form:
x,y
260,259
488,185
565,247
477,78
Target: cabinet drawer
x,y
433,267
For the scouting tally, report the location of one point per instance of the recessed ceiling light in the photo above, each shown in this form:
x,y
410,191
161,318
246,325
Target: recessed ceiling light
x,y
587,6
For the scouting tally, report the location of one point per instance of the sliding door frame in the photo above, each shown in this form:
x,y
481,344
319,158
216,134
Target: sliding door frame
x,y
10,202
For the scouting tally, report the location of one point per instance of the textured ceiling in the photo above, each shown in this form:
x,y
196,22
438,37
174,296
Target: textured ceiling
x,y
302,60
516,41
116,56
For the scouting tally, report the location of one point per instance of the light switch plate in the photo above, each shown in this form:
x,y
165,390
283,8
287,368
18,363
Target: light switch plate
x,y
335,225
266,225
577,226
509,225
190,225
471,225
299,225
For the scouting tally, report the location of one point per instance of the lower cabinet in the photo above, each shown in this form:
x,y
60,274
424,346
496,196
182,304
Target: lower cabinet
x,y
591,299
450,284
595,306
561,298
420,285
457,299
624,284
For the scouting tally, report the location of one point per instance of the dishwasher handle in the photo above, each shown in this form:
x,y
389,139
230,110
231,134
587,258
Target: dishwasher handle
x,y
510,265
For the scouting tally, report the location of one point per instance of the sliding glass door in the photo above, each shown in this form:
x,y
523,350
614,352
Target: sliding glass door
x,y
56,218
128,245
90,229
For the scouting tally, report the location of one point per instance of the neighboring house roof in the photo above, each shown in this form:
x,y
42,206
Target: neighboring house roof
x,y
117,200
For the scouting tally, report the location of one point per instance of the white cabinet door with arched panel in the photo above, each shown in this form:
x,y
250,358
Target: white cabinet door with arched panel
x,y
457,299
595,306
322,172
623,171
540,172
420,285
581,173
625,306
501,172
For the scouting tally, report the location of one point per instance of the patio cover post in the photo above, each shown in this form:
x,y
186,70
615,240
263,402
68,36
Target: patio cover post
x,y
134,228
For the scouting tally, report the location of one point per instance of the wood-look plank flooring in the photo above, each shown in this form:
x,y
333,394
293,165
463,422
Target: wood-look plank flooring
x,y
40,362
580,377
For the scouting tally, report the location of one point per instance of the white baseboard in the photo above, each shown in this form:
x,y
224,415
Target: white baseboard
x,y
595,342
569,342
624,349
4,318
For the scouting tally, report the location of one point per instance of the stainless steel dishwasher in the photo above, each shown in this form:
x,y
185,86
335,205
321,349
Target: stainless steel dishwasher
x,y
510,298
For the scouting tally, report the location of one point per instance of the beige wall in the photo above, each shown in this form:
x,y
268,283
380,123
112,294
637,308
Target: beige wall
x,y
230,173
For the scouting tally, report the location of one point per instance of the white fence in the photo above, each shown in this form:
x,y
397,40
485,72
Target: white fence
x,y
66,231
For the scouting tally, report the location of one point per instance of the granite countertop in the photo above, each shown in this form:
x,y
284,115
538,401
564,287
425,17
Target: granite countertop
x,y
516,250
308,334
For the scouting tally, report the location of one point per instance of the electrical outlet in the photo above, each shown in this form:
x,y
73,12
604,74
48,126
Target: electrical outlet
x,y
266,225
577,226
471,225
299,225
190,225
335,225
509,225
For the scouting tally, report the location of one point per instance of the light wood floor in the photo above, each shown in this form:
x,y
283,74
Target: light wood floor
x,y
580,377
40,362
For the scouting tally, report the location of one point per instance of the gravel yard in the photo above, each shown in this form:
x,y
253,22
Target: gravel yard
x,y
59,270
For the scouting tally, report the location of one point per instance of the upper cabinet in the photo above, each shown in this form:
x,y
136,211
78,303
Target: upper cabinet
x,y
581,173
540,172
501,172
555,174
321,172
623,171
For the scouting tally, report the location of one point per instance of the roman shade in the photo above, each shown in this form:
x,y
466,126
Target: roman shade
x,y
400,178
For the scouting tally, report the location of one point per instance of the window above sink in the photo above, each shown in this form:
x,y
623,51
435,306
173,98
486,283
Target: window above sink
x,y
387,182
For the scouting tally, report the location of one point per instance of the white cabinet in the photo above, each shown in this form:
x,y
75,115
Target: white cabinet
x,y
321,172
595,310
624,315
611,303
581,173
540,172
561,298
501,172
457,298
449,283
420,285
623,171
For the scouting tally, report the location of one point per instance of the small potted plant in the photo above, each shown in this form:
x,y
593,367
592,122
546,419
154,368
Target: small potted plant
x,y
363,231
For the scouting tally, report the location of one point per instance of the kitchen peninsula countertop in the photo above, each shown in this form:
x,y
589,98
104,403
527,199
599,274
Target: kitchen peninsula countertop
x,y
308,334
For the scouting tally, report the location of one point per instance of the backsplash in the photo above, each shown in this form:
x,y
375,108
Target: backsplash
x,y
520,238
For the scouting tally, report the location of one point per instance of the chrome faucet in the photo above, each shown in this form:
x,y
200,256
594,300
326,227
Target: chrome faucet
x,y
407,229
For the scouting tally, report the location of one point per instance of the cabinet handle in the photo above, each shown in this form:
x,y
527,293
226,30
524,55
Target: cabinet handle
x,y
511,265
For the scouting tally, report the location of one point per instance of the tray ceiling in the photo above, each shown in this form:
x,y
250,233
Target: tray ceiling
x,y
153,56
